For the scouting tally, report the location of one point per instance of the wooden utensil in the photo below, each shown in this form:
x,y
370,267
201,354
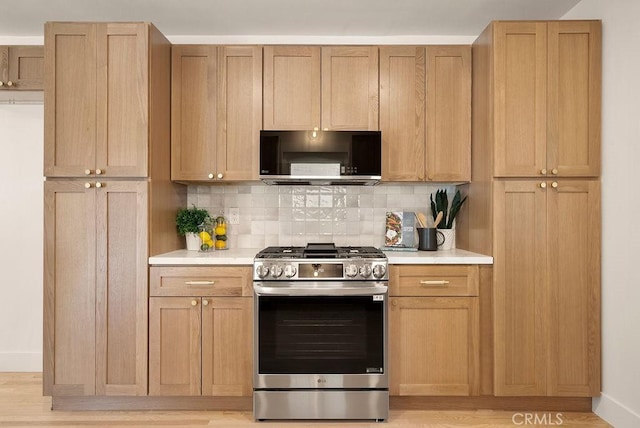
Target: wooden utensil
x,y
437,220
422,219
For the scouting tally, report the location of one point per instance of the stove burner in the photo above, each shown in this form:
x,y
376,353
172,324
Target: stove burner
x,y
319,251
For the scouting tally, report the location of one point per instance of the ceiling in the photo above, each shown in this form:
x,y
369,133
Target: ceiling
x,y
381,18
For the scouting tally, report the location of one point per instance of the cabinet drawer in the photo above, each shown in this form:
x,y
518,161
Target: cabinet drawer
x,y
433,280
201,281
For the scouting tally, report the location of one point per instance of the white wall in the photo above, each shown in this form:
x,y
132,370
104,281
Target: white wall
x,y
620,401
21,187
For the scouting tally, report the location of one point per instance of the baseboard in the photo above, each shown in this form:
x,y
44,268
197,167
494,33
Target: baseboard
x,y
560,404
614,412
20,361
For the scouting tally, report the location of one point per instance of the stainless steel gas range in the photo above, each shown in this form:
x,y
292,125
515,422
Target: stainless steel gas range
x,y
320,333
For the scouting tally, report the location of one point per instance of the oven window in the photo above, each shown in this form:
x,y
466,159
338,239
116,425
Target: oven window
x,y
320,335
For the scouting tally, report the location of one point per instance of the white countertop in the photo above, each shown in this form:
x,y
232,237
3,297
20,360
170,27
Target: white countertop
x,y
440,257
244,256
232,256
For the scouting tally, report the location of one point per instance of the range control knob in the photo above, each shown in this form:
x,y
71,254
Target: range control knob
x,y
290,271
379,271
276,271
262,271
351,270
365,271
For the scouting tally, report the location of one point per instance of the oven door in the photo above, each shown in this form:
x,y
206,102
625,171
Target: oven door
x,y
320,335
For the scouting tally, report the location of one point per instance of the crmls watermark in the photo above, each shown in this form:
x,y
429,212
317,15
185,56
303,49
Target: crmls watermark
x,y
537,419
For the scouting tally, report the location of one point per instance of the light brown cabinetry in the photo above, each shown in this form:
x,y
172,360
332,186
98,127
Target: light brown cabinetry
x,y
99,232
200,343
333,87
22,68
547,98
97,98
95,288
547,287
216,112
425,113
537,114
434,330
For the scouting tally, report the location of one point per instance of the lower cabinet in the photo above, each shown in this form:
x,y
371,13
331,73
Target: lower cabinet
x,y
95,287
200,345
547,288
434,330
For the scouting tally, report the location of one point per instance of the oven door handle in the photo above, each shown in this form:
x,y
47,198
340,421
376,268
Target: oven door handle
x,y
368,290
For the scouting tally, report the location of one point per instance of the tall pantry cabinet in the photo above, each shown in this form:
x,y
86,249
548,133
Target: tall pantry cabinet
x,y
534,201
109,202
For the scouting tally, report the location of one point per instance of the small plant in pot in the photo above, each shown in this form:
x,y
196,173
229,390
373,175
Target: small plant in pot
x,y
188,222
441,204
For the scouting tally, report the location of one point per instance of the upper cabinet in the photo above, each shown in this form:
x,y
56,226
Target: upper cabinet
x,y
425,113
307,87
97,99
547,78
350,88
216,112
21,68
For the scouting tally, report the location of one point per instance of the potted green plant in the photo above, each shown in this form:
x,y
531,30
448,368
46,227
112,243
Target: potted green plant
x,y
188,222
449,213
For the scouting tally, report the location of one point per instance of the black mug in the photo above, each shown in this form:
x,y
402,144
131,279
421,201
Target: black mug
x,y
428,238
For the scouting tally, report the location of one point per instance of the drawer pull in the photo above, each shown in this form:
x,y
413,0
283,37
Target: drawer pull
x,y
436,282
200,282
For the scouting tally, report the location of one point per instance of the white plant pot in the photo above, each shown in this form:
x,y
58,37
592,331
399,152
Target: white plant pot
x,y
449,239
193,241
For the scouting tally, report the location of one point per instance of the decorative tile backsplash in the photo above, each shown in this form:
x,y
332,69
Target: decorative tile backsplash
x,y
296,215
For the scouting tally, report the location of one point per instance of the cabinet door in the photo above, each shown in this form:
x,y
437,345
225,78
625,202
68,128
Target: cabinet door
x,y
402,112
193,112
121,288
4,66
174,345
575,68
227,324
574,288
24,67
239,112
123,99
520,250
69,289
520,123
449,113
70,99
433,346
350,88
291,87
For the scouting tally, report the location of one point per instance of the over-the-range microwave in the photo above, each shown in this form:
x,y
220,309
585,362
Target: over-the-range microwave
x,y
321,157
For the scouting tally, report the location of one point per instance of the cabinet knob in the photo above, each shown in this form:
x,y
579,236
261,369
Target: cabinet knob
x,y
543,185
98,171
554,185
1,83
99,185
9,83
394,302
430,177
211,176
87,172
220,176
205,302
543,171
554,171
87,185
194,302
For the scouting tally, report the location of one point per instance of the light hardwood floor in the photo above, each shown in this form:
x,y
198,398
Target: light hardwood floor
x,y
22,404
